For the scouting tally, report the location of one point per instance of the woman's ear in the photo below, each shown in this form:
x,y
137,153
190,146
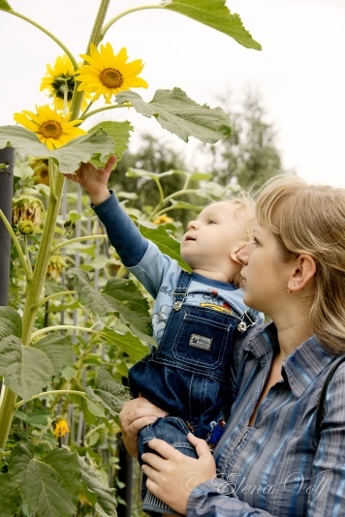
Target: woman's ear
x,y
304,271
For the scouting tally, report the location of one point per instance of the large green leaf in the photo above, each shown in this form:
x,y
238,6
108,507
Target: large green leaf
x,y
113,393
9,496
67,157
49,485
128,343
26,370
120,296
94,490
215,14
119,131
180,115
59,349
10,322
165,242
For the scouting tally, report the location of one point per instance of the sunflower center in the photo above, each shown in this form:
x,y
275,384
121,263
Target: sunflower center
x,y
111,78
50,129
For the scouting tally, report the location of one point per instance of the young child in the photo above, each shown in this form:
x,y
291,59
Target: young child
x,y
196,316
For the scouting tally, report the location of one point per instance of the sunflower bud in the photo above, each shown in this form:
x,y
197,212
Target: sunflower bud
x,y
26,227
55,267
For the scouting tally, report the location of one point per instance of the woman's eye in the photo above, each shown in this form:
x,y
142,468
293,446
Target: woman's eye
x,y
255,241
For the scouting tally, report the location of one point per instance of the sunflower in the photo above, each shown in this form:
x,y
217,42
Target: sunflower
x,y
60,82
108,74
52,128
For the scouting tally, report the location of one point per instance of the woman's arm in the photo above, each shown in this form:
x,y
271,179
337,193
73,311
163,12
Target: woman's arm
x,y
136,414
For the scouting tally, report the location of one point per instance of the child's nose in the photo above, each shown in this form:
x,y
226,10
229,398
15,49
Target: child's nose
x,y
192,225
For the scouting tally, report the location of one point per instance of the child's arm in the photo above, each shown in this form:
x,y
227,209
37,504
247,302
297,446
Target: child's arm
x,y
94,180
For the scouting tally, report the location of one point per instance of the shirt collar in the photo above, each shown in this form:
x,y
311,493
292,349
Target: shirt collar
x,y
301,367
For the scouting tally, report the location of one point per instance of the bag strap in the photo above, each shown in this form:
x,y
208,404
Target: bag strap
x,y
321,404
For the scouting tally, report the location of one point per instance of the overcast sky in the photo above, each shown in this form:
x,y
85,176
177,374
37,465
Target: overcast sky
x,y
299,74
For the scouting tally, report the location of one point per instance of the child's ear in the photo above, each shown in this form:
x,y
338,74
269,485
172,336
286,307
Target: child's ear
x,y
237,249
233,255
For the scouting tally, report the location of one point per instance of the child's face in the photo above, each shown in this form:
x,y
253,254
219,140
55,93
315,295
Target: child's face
x,y
210,243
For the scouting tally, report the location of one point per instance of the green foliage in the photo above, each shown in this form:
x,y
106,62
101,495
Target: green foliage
x,y
77,320
215,14
179,114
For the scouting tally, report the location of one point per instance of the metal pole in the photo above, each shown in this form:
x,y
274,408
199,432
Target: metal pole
x,y
6,193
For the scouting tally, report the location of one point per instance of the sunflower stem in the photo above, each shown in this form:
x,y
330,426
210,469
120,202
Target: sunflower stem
x,y
25,265
96,38
51,36
125,13
36,285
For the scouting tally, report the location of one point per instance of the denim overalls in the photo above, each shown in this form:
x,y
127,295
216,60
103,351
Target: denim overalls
x,y
188,374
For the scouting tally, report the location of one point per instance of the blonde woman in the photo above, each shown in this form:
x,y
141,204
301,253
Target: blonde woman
x,y
274,459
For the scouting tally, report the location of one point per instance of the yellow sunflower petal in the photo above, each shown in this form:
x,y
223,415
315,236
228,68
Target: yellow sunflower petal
x,y
53,128
107,73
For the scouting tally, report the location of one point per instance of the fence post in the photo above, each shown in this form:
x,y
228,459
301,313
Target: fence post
x,y
6,193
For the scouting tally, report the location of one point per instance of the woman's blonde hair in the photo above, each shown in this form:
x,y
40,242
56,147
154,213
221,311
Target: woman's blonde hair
x,y
311,219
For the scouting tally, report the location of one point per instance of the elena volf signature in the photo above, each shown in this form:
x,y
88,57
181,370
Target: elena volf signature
x,y
233,484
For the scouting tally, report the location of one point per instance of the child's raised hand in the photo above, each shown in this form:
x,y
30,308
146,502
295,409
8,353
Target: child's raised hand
x,y
94,180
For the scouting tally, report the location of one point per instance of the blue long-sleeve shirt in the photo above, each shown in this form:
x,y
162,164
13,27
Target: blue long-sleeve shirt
x,y
158,273
276,467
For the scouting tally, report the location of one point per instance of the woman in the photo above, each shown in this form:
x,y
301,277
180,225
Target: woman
x,y
271,459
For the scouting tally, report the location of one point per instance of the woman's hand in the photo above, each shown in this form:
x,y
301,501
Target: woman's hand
x,y
94,180
135,415
171,475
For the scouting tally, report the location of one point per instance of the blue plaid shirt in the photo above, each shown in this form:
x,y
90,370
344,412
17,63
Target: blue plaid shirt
x,y
277,467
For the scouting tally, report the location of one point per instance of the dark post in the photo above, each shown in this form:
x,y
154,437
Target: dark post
x,y
6,193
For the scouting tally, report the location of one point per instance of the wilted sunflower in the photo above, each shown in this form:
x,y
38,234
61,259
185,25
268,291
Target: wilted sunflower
x,y
60,81
108,74
52,128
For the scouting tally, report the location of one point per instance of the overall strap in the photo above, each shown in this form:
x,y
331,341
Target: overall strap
x,y
181,289
321,403
248,319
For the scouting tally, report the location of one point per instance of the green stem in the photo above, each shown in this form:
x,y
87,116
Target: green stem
x,y
96,38
52,392
21,256
36,285
51,36
45,330
125,13
78,239
55,295
7,404
104,108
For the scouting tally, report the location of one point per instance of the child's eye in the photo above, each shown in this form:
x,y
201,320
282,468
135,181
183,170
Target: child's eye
x,y
210,221
255,241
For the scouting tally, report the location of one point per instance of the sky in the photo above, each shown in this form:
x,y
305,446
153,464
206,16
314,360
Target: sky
x,y
299,74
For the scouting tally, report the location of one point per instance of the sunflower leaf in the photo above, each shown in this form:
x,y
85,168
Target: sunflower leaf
x,y
119,131
26,369
69,156
215,14
179,114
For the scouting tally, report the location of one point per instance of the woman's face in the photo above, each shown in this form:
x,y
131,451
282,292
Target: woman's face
x,y
265,274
